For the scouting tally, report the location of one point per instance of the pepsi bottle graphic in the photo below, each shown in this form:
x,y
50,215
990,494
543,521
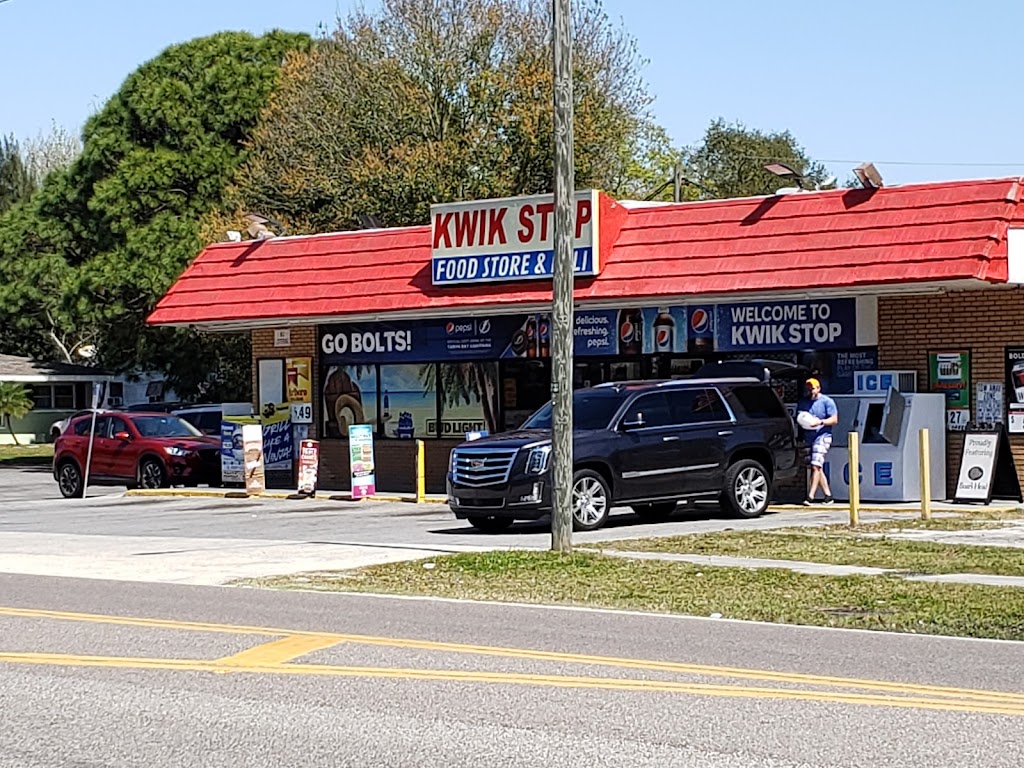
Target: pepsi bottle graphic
x,y
631,331
701,331
664,332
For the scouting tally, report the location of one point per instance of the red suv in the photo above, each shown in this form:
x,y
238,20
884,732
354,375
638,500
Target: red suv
x,y
144,450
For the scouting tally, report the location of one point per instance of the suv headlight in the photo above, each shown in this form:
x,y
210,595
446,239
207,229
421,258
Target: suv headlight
x,y
174,450
537,461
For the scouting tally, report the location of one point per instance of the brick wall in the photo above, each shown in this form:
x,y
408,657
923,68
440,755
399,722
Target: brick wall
x,y
985,322
395,465
303,344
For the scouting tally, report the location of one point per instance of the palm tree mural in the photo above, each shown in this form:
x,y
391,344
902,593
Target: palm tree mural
x,y
465,384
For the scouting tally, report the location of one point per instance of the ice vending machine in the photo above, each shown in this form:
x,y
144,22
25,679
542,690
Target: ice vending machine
x,y
887,428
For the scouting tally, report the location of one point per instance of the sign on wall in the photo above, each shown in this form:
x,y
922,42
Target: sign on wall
x,y
779,325
299,388
1015,389
988,402
949,373
487,241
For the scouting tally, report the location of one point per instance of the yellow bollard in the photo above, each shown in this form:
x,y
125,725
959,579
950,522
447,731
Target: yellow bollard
x,y
854,480
926,477
421,473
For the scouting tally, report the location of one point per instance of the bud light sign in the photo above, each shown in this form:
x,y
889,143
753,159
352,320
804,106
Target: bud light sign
x,y
826,324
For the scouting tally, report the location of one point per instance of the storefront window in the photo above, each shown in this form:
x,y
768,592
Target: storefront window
x,y
469,399
408,400
349,397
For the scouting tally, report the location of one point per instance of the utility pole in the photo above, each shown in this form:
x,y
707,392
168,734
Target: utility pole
x,y
562,284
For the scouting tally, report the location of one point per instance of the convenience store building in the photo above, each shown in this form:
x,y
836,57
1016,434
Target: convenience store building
x,y
432,331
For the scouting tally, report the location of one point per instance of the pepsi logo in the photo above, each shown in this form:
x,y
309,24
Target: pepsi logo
x,y
662,337
626,332
450,328
700,320
460,327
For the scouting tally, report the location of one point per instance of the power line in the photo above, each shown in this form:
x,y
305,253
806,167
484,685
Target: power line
x,y
947,164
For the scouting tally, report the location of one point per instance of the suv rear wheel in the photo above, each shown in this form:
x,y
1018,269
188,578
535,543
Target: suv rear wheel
x,y
591,501
490,524
69,480
748,488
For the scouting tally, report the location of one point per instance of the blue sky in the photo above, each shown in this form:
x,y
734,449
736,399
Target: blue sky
x,y
927,91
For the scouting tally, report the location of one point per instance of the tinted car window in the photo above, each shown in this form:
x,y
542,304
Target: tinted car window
x,y
102,426
117,424
164,426
82,427
759,402
591,409
653,410
696,406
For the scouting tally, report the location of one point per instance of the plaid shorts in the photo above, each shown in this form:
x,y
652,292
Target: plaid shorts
x,y
819,448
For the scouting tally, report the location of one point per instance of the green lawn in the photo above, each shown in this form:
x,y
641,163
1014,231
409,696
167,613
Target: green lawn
x,y
867,545
37,453
864,602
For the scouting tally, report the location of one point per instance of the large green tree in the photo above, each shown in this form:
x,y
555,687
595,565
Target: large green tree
x,y
438,100
729,162
105,238
16,182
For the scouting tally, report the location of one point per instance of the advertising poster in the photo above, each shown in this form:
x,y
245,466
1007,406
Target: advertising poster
x,y
360,443
309,466
232,457
469,399
277,436
988,402
408,400
1015,389
299,388
252,449
949,373
349,397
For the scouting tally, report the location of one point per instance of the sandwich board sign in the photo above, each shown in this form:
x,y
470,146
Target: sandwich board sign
x,y
986,468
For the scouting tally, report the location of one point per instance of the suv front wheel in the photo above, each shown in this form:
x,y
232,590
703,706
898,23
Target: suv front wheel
x,y
748,488
591,500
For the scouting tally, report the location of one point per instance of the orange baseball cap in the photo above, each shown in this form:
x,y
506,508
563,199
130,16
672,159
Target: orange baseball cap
x,y
814,383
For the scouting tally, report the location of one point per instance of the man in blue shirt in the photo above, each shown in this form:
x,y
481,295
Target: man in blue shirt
x,y
819,437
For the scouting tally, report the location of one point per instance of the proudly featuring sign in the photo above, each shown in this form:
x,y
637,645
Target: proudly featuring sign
x,y
487,241
779,325
360,443
986,469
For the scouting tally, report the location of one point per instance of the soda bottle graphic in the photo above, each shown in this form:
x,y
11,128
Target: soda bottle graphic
x,y
531,337
387,404
631,332
701,336
664,332
544,337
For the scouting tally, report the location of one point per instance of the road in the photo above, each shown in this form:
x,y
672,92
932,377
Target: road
x,y
196,540
132,674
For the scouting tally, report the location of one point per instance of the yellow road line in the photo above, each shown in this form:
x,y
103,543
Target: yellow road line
x,y
503,678
551,656
279,651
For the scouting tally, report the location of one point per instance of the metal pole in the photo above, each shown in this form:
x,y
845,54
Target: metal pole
x,y
926,476
562,289
854,450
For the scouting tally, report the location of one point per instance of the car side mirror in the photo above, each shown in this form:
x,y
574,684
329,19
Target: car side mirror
x,y
636,423
122,436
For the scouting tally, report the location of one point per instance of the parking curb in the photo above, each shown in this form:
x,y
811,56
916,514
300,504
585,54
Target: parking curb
x,y
233,493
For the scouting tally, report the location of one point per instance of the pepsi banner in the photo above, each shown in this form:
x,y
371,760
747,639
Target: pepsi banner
x,y
781,325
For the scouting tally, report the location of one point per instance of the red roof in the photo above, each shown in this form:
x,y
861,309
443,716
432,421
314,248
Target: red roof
x,y
951,233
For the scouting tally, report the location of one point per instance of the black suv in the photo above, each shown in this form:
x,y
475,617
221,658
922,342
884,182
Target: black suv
x,y
645,444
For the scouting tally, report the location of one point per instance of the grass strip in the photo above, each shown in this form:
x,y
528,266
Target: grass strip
x,y
779,596
27,455
871,545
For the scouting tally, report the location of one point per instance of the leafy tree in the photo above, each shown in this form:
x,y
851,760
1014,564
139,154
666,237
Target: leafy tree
x,y
106,237
436,100
14,403
730,161
50,152
16,183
